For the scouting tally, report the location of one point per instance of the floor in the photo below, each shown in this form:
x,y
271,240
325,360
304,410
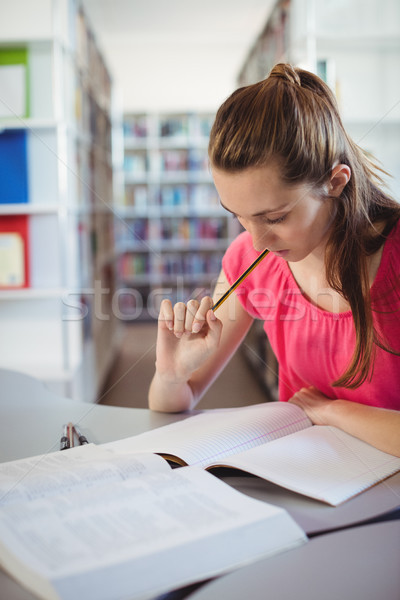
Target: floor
x,y
128,381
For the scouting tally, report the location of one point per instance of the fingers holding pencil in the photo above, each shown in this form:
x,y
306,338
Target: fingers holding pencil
x,y
184,318
180,350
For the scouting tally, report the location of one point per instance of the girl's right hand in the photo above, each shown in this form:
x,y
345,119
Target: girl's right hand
x,y
188,334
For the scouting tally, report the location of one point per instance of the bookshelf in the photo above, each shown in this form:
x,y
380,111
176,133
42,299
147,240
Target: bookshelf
x,y
171,231
56,195
357,52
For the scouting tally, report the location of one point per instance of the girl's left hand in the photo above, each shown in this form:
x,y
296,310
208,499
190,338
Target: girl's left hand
x,y
315,405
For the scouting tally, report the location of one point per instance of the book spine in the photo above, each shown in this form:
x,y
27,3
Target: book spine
x,y
13,167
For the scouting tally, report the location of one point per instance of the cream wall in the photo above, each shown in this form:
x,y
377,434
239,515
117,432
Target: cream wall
x,y
176,55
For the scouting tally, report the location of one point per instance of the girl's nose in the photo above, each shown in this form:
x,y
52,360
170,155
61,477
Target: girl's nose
x,y
261,235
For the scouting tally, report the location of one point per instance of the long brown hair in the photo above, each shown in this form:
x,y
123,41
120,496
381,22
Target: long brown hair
x,y
291,118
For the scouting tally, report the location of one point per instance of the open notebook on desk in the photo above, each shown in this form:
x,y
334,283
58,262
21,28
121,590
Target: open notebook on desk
x,y
275,441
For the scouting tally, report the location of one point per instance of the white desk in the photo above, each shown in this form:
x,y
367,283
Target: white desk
x,y
31,420
361,563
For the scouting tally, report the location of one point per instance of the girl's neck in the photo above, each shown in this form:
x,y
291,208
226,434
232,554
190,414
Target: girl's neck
x,y
310,276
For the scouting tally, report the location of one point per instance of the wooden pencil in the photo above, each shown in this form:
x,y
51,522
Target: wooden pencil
x,y
240,279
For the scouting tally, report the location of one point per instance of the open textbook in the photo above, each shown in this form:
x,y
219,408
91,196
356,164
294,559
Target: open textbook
x,y
275,441
91,523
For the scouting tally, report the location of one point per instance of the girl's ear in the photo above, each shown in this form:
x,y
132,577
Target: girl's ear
x,y
340,176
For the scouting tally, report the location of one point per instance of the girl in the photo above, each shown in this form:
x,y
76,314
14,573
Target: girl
x,y
328,291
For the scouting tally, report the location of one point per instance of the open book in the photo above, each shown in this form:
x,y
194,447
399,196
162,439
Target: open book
x,y
275,441
92,523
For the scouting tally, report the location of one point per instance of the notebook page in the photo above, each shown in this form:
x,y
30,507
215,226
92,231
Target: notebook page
x,y
322,462
215,434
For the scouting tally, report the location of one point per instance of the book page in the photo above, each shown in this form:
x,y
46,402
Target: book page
x,y
215,434
83,466
142,535
322,462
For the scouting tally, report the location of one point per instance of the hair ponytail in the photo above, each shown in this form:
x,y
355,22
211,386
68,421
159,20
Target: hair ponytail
x,y
286,72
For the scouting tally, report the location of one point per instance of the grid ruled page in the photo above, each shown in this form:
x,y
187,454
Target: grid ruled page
x,y
216,434
322,462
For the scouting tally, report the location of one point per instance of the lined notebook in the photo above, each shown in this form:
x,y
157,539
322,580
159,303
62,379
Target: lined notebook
x,y
273,441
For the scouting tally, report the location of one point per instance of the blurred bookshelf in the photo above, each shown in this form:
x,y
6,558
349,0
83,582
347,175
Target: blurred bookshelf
x,y
56,194
171,231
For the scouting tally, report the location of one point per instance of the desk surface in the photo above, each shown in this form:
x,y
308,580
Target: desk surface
x,y
31,420
353,563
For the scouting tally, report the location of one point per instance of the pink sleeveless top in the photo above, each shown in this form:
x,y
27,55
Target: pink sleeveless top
x,y
313,346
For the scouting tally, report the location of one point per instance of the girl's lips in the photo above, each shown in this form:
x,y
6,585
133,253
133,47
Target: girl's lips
x,y
281,253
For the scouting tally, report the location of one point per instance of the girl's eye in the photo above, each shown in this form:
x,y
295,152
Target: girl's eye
x,y
275,221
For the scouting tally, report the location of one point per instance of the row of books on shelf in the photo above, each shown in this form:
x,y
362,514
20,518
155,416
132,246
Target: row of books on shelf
x,y
171,228
93,119
143,126
197,197
205,263
89,58
270,46
140,163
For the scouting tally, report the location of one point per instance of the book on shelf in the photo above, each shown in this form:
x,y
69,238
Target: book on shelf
x,y
135,126
136,164
204,196
173,160
14,252
198,160
176,196
174,126
130,265
201,125
275,441
89,522
193,228
13,167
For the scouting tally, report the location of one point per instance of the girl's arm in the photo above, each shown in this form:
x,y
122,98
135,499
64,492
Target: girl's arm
x,y
380,427
187,363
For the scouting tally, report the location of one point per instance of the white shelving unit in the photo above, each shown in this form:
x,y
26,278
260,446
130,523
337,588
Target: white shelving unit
x,y
172,232
59,326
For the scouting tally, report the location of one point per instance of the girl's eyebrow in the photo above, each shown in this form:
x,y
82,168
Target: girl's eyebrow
x,y
262,212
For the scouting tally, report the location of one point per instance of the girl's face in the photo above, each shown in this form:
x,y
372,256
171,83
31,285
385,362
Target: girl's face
x,y
291,221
